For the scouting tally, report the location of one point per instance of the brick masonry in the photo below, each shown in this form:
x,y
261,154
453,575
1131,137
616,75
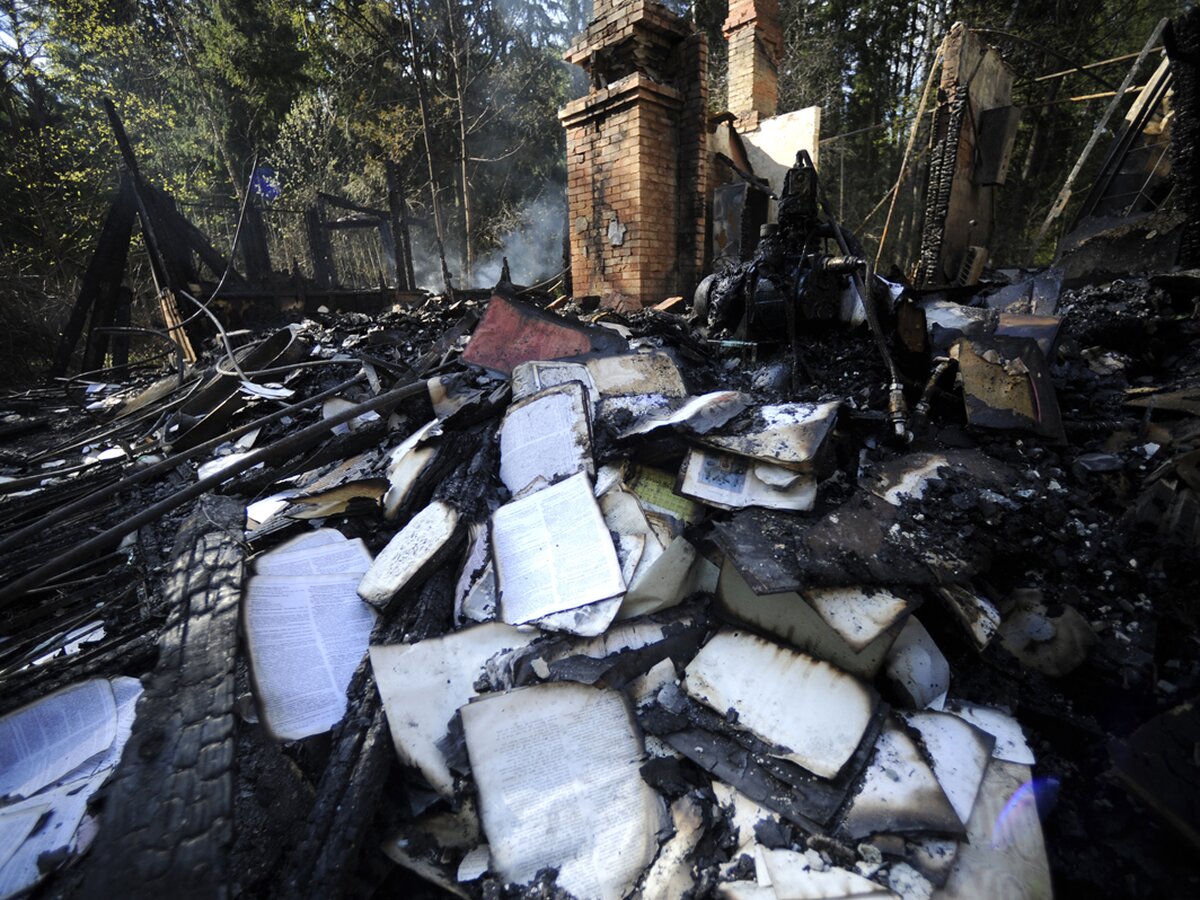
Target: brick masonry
x,y
637,171
755,39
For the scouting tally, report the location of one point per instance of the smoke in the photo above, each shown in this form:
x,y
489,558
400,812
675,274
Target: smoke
x,y
533,246
426,268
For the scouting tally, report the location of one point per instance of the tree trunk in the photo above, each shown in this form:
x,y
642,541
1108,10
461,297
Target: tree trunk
x,y
457,66
423,103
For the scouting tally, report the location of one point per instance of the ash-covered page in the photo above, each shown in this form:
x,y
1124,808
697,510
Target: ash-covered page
x,y
557,769
733,482
698,415
792,435
531,377
545,437
637,373
306,634
326,559
59,811
422,685
553,552
43,741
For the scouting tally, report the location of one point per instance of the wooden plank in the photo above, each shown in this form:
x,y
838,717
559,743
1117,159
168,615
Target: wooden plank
x,y
174,323
167,820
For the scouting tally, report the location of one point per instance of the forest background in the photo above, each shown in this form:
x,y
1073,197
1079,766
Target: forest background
x,y
459,99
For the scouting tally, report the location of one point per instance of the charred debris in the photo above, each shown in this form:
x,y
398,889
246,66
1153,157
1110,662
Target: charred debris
x,y
818,584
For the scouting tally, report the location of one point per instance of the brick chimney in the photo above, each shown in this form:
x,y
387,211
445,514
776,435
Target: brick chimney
x,y
755,39
637,154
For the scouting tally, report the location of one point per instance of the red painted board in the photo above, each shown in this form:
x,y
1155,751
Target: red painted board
x,y
513,332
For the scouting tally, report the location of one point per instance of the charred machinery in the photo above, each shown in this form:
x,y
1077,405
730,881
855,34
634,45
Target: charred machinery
x,y
805,269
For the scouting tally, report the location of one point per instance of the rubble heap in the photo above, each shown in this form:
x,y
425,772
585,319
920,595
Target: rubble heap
x,y
519,602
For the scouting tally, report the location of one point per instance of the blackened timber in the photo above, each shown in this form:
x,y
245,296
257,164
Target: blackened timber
x,y
1182,40
318,246
106,540
102,278
287,465
120,339
343,203
61,512
402,246
122,137
323,863
150,230
184,238
1111,187
255,253
173,243
368,217
131,653
167,818
387,242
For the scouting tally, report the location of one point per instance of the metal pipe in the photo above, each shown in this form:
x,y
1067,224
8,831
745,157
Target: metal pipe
x,y
920,415
897,407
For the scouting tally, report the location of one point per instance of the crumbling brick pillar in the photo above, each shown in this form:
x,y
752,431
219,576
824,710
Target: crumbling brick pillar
x,y
637,154
755,38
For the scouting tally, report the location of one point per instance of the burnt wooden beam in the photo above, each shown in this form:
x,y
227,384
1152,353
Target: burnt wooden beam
x,y
401,240
387,241
122,319
208,255
343,203
318,246
167,816
122,137
255,252
101,281
145,202
322,864
1182,40
173,239
106,540
63,510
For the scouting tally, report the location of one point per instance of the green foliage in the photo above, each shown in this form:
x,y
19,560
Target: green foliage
x,y
865,64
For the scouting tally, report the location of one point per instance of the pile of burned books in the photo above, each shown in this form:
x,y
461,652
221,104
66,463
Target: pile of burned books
x,y
629,698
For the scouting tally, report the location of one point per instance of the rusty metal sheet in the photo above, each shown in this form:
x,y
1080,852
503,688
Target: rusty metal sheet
x,y
1006,386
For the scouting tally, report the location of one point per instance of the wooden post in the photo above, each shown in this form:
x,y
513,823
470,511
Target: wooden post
x,y
255,252
120,341
318,245
102,279
401,240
